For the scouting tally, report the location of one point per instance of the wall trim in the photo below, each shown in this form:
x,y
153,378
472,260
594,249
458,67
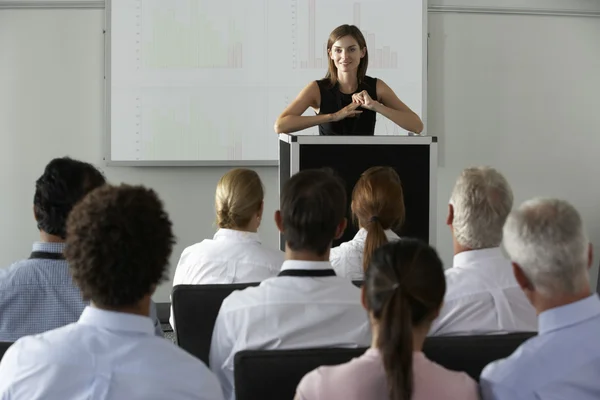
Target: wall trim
x,y
433,9
513,11
96,4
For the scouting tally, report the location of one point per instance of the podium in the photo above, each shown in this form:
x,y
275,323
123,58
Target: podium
x,y
413,157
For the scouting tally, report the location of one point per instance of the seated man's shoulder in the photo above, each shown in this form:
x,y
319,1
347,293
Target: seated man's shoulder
x,y
514,370
16,273
245,298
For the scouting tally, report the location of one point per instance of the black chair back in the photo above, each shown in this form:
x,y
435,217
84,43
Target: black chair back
x,y
471,354
195,308
275,374
3,347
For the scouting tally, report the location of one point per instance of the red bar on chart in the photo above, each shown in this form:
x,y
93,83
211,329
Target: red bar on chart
x,y
386,56
357,14
311,33
371,42
238,52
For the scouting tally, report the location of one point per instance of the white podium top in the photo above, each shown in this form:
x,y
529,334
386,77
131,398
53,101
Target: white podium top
x,y
360,140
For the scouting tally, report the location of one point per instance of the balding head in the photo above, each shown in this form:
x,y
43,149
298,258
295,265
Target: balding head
x,y
481,201
546,239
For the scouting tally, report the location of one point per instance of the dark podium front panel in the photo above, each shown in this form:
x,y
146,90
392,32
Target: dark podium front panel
x,y
412,162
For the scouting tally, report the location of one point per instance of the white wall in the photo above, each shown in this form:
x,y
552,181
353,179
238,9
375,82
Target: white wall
x,y
522,98
51,104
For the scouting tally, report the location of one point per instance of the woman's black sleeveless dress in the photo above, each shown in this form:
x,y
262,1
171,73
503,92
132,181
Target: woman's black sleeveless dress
x,y
332,100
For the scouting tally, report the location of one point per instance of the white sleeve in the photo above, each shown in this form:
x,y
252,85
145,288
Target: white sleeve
x,y
222,351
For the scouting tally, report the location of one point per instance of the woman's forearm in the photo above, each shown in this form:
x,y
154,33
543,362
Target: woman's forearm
x,y
295,123
405,119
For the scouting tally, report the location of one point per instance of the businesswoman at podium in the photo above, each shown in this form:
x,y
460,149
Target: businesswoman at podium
x,y
347,100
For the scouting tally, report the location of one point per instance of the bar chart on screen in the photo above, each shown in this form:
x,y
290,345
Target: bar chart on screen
x,y
309,31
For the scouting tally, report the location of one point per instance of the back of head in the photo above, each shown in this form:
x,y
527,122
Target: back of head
x,y
119,240
313,205
62,185
482,200
546,238
404,288
377,205
238,198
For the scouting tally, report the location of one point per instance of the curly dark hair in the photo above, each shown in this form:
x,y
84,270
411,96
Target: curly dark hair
x,y
119,240
62,185
313,204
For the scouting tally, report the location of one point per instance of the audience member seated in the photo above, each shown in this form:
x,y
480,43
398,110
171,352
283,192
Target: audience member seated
x,y
551,256
377,207
403,292
483,296
307,305
37,294
235,254
118,244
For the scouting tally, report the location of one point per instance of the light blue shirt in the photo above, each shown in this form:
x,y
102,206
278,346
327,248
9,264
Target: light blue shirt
x,y
37,295
106,355
561,363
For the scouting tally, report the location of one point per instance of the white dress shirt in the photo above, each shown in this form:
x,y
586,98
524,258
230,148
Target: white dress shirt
x,y
229,257
104,356
347,258
288,312
561,363
483,297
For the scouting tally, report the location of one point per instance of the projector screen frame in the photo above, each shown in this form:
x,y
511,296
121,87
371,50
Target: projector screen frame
x,y
107,141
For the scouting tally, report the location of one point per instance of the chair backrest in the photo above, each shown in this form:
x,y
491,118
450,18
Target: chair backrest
x,y
275,374
195,308
471,354
3,347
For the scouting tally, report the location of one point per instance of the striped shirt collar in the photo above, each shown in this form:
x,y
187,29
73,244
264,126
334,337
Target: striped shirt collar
x,y
49,247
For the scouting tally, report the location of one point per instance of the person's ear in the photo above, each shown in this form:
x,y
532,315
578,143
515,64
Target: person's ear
x,y
279,221
363,52
261,209
450,217
522,279
590,255
340,229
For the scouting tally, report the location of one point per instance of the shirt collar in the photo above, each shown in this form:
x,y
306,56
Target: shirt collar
x,y
479,257
116,321
49,247
239,236
310,265
361,235
571,314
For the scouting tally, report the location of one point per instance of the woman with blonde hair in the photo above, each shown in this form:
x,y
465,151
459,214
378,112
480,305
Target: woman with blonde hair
x,y
403,292
235,253
377,208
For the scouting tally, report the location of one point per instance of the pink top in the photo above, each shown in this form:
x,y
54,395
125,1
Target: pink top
x,y
364,378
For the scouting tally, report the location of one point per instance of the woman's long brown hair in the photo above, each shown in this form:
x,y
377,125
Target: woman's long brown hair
x,y
377,205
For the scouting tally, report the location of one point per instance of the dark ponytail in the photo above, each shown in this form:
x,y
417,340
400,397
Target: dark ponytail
x,y
404,288
375,238
395,342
